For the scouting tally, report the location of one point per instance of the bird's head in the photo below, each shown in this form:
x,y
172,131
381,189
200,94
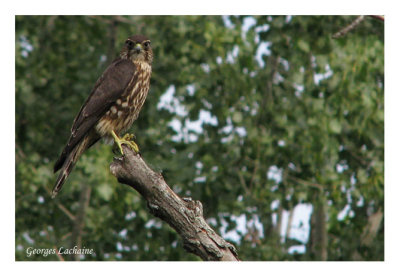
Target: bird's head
x,y
137,48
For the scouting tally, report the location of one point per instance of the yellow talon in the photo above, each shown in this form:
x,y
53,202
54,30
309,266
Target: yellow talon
x,y
129,137
126,139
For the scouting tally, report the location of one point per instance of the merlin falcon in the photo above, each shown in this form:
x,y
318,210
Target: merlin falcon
x,y
111,108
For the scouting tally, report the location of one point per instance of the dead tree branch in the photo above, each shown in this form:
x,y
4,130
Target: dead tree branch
x,y
379,17
349,27
354,24
184,215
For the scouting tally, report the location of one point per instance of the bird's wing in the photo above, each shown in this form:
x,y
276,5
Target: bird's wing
x,y
108,88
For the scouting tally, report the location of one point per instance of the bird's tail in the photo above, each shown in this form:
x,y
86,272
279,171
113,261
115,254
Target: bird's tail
x,y
69,163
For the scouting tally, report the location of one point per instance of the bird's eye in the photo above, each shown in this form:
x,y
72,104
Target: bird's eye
x,y
129,44
146,44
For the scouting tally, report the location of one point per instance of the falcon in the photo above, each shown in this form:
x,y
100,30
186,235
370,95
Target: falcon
x,y
112,106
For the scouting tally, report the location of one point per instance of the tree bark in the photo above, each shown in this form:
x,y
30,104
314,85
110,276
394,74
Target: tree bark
x,y
184,215
319,235
76,237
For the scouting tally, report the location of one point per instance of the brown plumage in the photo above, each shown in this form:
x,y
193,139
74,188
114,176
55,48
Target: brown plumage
x,y
113,105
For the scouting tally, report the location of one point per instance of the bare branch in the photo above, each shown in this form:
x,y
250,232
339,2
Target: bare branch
x,y
61,206
66,211
184,215
354,24
349,27
379,17
306,183
59,256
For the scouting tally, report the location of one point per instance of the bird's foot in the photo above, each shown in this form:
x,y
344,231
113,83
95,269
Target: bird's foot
x,y
127,139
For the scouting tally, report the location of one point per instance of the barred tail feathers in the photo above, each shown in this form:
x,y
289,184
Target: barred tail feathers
x,y
69,163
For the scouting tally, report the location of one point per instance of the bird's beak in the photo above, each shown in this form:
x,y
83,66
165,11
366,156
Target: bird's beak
x,y
138,48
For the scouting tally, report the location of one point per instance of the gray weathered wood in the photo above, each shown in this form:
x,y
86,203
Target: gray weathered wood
x,y
184,215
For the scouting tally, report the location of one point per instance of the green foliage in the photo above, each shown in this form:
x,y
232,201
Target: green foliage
x,y
311,107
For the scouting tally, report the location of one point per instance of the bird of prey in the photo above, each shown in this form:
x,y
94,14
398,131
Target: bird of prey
x,y
111,108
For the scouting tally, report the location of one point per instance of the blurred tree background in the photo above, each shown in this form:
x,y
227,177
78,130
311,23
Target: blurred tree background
x,y
276,127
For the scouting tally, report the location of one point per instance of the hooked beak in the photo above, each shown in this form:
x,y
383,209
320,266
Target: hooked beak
x,y
138,48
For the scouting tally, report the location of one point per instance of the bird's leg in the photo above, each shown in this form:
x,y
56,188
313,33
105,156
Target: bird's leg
x,y
126,139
